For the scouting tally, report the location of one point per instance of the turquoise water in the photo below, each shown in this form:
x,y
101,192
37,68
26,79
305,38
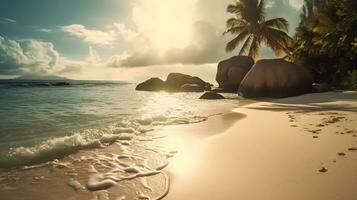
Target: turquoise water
x,y
39,122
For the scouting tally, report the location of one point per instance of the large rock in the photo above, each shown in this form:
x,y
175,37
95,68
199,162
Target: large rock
x,y
211,96
174,81
191,88
276,78
153,84
231,72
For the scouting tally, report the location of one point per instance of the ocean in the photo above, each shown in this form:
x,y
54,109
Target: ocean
x,y
40,121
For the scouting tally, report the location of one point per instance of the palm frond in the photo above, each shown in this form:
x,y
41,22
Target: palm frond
x,y
234,43
261,10
277,40
254,48
251,29
277,23
235,8
235,22
246,44
235,29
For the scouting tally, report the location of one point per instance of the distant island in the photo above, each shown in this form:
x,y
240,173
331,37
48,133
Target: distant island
x,y
41,78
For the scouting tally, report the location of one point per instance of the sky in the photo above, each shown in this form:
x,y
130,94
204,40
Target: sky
x,y
127,40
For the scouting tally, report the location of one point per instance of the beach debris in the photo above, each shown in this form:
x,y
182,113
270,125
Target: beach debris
x,y
315,136
341,154
323,170
352,149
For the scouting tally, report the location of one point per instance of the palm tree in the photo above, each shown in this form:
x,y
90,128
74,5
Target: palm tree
x,y
251,28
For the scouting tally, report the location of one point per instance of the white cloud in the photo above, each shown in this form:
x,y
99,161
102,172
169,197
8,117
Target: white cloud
x,y
98,37
94,60
177,32
7,21
31,56
270,4
26,56
94,37
125,32
45,30
171,32
297,4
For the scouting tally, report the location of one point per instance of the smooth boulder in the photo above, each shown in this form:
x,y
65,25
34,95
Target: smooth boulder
x,y
191,88
153,84
276,78
174,81
231,72
211,96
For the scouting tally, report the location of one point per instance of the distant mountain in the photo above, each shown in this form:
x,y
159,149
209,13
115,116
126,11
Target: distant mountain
x,y
41,78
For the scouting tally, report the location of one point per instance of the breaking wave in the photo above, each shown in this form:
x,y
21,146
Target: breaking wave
x,y
89,138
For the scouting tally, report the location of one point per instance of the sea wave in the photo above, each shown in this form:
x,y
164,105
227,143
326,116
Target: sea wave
x,y
124,130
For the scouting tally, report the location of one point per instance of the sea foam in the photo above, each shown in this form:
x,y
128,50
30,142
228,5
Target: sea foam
x,y
121,132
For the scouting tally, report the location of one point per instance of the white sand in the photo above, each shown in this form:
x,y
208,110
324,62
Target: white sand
x,y
260,151
264,156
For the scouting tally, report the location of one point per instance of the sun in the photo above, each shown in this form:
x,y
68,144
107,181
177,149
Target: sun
x,y
166,23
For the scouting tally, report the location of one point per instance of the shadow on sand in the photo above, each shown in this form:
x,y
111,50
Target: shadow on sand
x,y
313,103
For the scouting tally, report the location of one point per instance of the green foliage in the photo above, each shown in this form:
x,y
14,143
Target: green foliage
x,y
251,29
326,41
350,83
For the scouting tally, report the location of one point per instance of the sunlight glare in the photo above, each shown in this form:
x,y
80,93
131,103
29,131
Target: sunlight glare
x,y
166,23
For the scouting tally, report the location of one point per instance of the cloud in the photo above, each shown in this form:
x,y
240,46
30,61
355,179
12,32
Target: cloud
x,y
94,37
45,30
297,4
181,32
7,21
125,32
94,60
270,4
186,38
26,56
31,56
207,46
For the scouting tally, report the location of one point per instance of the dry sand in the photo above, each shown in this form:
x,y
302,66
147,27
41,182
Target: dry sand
x,y
295,148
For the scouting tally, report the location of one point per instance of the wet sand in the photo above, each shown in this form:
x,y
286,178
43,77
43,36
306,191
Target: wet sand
x,y
296,148
130,168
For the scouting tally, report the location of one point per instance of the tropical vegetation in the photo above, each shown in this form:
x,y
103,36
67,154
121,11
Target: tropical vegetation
x,y
326,41
251,29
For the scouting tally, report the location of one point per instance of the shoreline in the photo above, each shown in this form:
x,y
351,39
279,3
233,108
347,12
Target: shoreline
x,y
267,146
137,172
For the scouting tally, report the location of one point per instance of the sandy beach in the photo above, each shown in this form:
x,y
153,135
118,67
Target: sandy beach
x,y
294,148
